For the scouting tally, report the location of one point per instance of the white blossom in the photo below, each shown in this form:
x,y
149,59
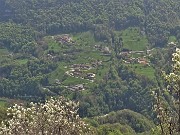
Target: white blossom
x,y
56,117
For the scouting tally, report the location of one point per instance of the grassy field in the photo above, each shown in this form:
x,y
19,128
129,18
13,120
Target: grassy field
x,y
73,81
143,70
84,38
58,73
133,39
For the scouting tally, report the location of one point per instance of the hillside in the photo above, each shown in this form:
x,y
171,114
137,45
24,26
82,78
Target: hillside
x,y
158,19
106,54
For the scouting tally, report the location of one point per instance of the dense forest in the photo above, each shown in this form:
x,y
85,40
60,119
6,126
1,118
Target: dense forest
x,y
158,19
107,54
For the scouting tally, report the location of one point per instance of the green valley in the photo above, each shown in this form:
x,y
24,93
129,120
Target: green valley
x,y
107,55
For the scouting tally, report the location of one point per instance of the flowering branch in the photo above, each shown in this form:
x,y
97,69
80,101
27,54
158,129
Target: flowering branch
x,y
55,117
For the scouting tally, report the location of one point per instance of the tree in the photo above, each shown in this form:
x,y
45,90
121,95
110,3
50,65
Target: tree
x,y
169,116
56,117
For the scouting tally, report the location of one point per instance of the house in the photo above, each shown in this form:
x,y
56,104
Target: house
x,y
143,61
148,51
77,72
90,76
106,50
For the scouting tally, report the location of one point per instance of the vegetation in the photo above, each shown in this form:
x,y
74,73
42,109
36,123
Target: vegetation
x,y
133,39
136,121
108,55
158,19
55,116
170,117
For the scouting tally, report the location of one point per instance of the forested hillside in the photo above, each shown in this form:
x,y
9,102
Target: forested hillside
x,y
107,54
158,19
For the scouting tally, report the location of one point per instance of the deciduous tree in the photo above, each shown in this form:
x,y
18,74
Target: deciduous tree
x,y
55,117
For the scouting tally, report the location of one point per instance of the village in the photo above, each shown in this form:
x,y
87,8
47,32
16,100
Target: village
x,y
80,71
85,71
128,56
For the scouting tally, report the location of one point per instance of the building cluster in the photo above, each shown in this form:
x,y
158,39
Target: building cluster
x,y
64,39
82,70
128,59
80,74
